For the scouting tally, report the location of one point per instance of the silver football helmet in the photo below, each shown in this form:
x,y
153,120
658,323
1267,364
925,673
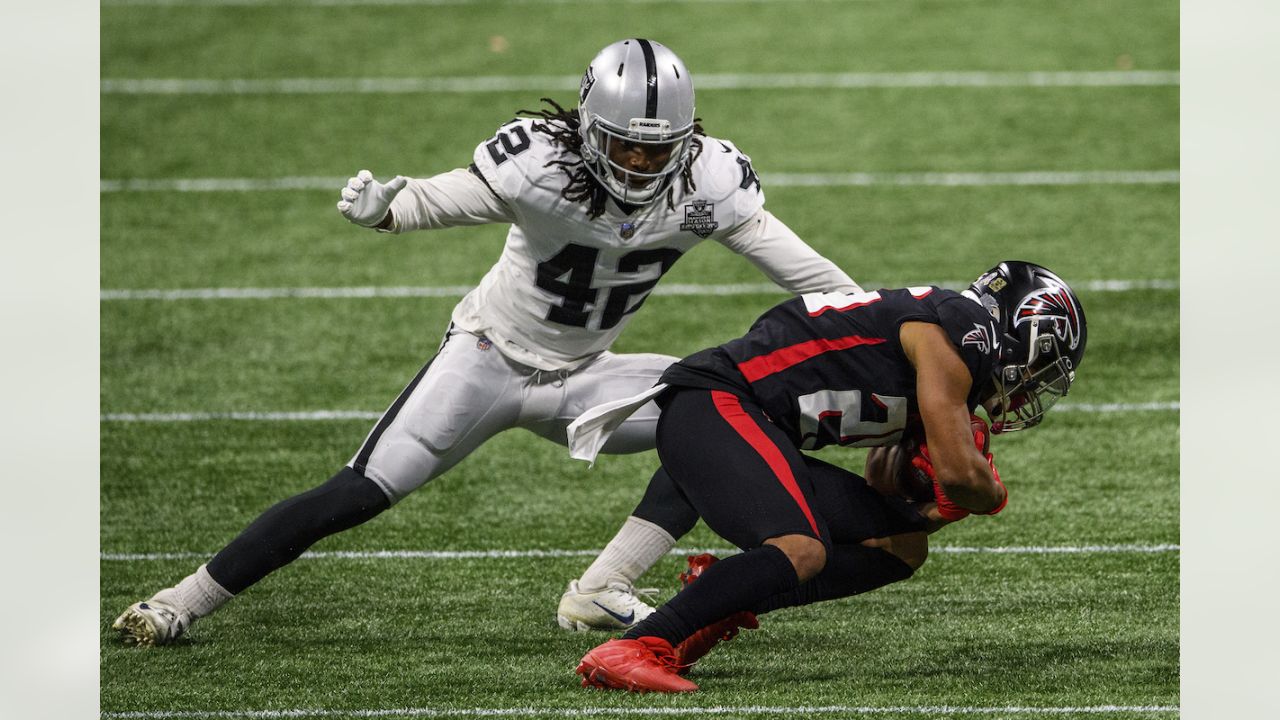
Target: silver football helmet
x,y
636,92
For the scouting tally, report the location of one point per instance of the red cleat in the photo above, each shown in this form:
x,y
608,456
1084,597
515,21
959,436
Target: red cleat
x,y
697,564
641,665
700,643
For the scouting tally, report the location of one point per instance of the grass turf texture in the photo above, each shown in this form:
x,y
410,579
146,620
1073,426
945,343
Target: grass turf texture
x,y
979,630
968,630
883,236
313,354
553,38
161,484
871,130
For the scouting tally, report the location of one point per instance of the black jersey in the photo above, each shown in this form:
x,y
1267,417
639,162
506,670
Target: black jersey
x,y
828,368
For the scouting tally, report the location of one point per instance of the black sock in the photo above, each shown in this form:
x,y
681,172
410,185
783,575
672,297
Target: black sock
x,y
739,582
850,569
289,527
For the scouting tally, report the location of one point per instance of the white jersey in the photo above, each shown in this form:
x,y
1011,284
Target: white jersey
x,y
567,284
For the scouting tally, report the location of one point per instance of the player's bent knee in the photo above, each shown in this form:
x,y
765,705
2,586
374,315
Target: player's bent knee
x,y
348,499
910,548
807,555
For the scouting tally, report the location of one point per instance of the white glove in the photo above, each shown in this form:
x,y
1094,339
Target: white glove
x,y
365,201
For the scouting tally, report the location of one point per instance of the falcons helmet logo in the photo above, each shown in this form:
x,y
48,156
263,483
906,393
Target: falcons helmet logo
x,y
1053,302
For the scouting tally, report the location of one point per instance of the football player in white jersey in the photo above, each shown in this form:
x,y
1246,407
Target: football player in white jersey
x,y
602,200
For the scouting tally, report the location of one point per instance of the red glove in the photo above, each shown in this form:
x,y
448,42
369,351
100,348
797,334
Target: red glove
x,y
949,511
946,508
992,462
982,440
981,435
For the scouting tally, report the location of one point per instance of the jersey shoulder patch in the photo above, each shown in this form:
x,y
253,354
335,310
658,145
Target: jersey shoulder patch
x,y
724,176
516,157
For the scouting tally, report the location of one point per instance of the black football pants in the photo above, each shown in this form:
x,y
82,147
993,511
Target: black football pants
x,y
710,474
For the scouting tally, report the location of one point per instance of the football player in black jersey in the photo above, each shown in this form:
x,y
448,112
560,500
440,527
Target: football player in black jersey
x,y
880,369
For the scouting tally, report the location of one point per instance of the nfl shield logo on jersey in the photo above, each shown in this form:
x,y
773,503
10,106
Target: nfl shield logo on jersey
x,y
627,230
699,218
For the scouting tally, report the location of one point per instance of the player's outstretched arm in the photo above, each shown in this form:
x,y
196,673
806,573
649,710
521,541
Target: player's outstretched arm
x,y
965,476
786,259
367,202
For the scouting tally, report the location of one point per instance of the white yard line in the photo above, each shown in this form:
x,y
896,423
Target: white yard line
x,y
299,292
1174,406
331,415
857,179
315,415
622,711
449,291
677,552
706,81
972,179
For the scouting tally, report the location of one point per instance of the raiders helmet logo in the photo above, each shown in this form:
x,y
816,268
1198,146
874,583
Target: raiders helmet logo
x,y
588,79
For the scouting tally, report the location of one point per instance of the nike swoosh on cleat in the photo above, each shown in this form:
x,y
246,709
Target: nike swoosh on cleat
x,y
626,619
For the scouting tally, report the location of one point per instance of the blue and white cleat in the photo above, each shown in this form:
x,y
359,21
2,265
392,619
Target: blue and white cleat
x,y
157,621
616,607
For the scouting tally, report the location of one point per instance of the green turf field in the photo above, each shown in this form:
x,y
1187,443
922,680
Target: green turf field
x,y
1065,605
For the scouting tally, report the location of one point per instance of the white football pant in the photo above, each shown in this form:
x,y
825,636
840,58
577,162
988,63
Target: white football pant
x,y
470,392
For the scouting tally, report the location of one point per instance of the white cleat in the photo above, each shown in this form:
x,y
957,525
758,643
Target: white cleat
x,y
616,607
152,622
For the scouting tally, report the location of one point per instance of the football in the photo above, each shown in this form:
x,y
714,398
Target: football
x,y
915,484
889,470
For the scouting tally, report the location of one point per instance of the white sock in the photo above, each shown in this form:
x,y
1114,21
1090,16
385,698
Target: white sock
x,y
198,593
638,545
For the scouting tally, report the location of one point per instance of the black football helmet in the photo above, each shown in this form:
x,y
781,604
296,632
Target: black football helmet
x,y
1042,341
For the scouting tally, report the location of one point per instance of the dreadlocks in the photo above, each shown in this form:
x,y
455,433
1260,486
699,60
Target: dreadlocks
x,y
562,126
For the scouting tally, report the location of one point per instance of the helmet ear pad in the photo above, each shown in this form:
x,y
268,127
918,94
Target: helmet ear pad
x,y
635,91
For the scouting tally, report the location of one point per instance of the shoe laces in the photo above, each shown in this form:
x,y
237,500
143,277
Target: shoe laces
x,y
648,595
665,656
668,662
176,621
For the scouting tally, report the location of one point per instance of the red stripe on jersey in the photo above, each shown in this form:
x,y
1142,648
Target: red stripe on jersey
x,y
765,365
730,408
